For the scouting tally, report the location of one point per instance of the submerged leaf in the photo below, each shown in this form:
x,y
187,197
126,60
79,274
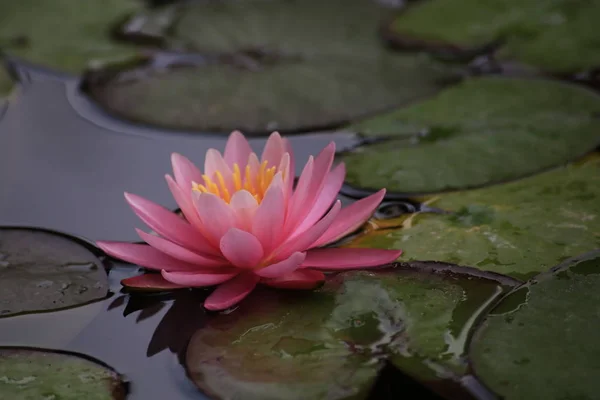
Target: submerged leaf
x,y
42,271
64,34
485,130
28,373
330,343
542,340
516,229
269,65
558,35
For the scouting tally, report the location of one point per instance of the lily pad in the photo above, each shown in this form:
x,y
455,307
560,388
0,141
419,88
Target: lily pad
x,y
269,65
558,36
29,373
43,271
331,343
483,131
542,340
65,34
517,229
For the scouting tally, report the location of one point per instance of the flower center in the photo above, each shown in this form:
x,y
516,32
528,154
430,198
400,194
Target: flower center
x,y
254,182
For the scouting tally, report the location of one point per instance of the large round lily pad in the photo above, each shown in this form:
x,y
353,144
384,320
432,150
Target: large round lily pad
x,y
483,131
28,373
517,229
557,35
42,271
269,65
541,342
65,34
330,343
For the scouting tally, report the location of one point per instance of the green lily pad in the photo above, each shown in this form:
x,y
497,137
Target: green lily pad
x,y
269,65
557,35
43,271
28,373
541,341
331,343
483,131
517,229
65,34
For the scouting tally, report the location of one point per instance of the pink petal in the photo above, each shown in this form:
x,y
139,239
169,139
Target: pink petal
x,y
333,184
283,267
351,218
299,279
287,177
244,205
185,172
307,238
292,168
231,293
178,252
267,224
254,165
167,224
299,196
214,162
184,201
340,259
304,202
241,248
145,256
149,282
273,151
237,150
217,216
192,279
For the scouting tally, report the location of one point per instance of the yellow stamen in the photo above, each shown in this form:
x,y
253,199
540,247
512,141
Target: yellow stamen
x,y
237,177
256,183
223,188
248,181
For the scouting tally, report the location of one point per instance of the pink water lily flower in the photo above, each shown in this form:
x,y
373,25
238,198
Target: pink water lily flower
x,y
245,224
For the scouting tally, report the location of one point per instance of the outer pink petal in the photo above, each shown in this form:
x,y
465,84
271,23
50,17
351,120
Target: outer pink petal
x,y
145,256
333,184
180,253
273,151
149,282
237,150
351,218
184,201
304,202
267,224
307,238
292,168
231,293
167,224
299,197
299,279
185,172
241,248
191,279
340,259
283,267
217,216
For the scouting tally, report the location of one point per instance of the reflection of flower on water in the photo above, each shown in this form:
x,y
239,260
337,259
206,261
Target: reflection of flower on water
x,y
245,223
176,327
